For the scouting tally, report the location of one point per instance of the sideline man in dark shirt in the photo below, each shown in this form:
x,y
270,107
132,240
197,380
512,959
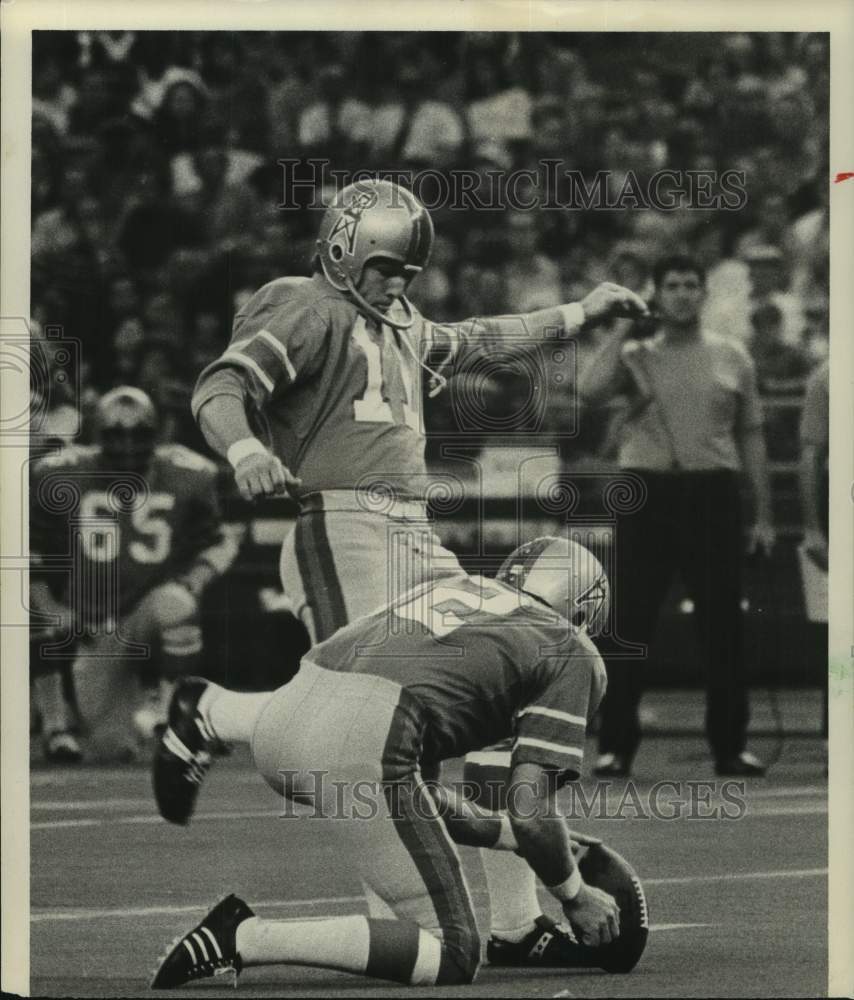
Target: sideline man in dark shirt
x,y
693,426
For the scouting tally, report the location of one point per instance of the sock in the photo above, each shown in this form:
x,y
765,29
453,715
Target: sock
x,y
513,902
512,885
181,653
232,714
397,950
165,690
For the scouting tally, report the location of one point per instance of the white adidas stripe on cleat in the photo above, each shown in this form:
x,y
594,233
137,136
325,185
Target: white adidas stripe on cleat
x,y
201,944
189,948
175,745
213,941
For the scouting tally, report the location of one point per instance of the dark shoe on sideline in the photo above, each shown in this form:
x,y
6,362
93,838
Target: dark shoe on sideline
x,y
612,765
60,747
743,765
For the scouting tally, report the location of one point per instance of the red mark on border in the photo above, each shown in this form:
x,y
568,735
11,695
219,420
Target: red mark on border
x,y
844,177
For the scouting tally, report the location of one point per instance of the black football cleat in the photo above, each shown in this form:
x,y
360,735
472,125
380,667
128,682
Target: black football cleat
x,y
612,765
745,765
210,949
183,754
549,945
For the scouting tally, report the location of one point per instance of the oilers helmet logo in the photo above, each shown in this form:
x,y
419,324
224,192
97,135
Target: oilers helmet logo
x,y
342,238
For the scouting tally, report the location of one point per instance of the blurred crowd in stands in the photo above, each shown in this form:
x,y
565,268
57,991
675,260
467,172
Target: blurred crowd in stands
x,y
155,181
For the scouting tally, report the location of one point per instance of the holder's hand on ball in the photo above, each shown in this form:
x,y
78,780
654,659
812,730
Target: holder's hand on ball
x,y
595,916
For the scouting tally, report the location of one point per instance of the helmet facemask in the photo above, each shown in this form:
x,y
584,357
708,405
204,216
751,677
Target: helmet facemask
x,y
564,575
127,429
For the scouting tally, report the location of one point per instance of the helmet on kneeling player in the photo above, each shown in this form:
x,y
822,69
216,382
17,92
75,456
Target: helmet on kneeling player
x,y
126,423
563,574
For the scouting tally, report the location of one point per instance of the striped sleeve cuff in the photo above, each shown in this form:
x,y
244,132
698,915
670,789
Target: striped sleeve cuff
x,y
263,356
541,711
554,748
550,737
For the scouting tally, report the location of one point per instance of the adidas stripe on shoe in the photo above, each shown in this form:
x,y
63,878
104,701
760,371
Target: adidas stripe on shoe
x,y
182,757
210,948
548,945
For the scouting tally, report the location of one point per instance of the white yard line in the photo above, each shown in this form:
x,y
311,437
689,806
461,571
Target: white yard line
x,y
151,819
90,776
160,911
737,876
677,927
79,805
782,793
807,809
63,824
290,904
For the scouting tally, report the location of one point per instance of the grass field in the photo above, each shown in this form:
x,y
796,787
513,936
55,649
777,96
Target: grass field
x,y
737,907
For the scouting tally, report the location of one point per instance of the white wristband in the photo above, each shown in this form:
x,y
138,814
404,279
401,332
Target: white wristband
x,y
573,316
240,449
567,891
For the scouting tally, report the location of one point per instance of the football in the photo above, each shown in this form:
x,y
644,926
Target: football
x,y
607,870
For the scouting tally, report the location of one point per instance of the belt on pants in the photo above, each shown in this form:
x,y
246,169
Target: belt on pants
x,y
364,502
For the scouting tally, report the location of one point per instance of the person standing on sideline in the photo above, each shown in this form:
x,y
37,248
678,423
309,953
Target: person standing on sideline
x,y
692,429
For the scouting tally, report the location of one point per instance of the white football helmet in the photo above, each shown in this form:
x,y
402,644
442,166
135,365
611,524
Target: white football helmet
x,y
126,423
564,574
373,219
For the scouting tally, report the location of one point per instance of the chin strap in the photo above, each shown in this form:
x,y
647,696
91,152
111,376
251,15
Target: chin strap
x,y
437,380
365,307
